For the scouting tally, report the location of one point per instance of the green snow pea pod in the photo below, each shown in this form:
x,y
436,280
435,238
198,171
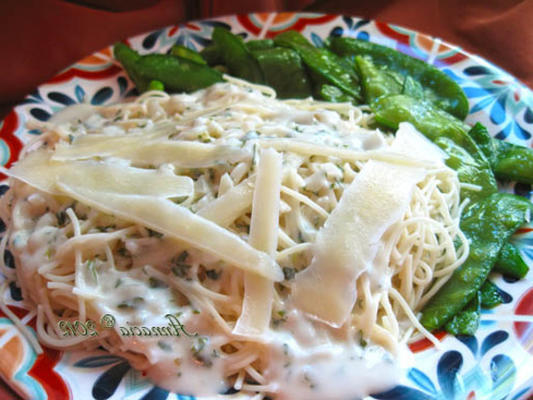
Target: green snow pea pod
x,y
513,163
509,161
441,90
175,73
431,121
259,44
488,225
334,94
510,262
380,81
466,321
283,70
412,88
376,81
322,62
128,58
469,170
484,141
184,52
236,55
490,295
212,55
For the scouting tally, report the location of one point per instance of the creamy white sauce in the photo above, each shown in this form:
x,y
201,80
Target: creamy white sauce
x,y
188,379
73,113
331,371
307,360
310,360
184,362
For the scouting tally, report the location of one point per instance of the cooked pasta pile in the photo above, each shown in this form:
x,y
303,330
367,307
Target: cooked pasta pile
x,y
252,180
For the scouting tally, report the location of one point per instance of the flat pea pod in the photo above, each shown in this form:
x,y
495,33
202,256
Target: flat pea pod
x,y
184,52
487,145
442,90
283,70
334,94
509,161
428,119
412,88
469,170
376,81
510,262
259,44
128,58
212,55
488,225
236,55
513,163
490,295
322,89
466,321
322,62
175,73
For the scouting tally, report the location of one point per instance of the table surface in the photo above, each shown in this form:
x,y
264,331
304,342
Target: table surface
x,y
41,37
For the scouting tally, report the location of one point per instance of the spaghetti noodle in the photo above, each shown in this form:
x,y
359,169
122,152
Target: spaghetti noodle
x,y
84,250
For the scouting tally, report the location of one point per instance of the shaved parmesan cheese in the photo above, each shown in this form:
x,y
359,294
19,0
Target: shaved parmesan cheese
x,y
228,207
308,148
409,141
225,184
38,170
141,152
266,198
150,131
259,291
178,222
347,244
75,112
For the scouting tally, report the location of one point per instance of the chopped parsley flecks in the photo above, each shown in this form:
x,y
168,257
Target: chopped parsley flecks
x,y
131,304
180,267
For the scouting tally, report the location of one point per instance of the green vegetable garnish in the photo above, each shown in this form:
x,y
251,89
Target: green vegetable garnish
x,y
334,94
259,44
490,295
293,82
156,85
488,225
469,170
376,81
212,55
511,263
466,321
177,74
440,89
236,55
322,62
509,161
189,54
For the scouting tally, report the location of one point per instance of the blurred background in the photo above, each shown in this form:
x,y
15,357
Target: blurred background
x,y
41,37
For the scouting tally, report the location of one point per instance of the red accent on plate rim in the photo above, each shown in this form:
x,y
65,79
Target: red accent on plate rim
x,y
299,24
7,132
424,344
43,368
